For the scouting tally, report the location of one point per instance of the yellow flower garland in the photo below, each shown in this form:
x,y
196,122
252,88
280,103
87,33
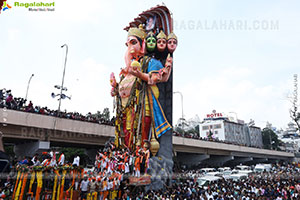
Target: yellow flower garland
x,y
54,187
19,187
62,184
39,178
16,184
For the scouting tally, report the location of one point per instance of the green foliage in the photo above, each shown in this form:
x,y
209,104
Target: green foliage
x,y
270,139
9,150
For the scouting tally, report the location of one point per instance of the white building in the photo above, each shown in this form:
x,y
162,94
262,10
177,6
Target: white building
x,y
216,126
291,138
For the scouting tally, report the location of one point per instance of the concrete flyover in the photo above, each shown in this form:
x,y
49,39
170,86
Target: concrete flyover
x,y
194,152
22,127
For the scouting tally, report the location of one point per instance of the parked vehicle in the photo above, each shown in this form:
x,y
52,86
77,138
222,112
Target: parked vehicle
x,y
262,168
247,172
238,177
206,170
213,174
207,180
242,167
222,169
226,174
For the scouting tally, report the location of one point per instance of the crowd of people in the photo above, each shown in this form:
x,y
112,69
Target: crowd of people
x,y
49,159
7,100
107,179
113,168
282,182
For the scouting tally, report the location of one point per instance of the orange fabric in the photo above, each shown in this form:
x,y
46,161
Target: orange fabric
x,y
137,163
105,194
38,191
23,186
16,184
46,163
104,184
18,191
60,158
82,173
126,159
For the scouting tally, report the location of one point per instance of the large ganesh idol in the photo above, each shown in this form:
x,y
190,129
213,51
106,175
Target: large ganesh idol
x,y
139,116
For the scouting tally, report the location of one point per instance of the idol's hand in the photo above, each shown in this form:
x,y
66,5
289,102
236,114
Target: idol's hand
x,y
169,63
113,92
113,81
134,68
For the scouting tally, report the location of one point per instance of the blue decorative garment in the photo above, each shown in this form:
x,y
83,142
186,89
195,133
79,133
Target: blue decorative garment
x,y
161,123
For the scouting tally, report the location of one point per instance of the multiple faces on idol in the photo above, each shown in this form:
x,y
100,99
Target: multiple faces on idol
x,y
159,41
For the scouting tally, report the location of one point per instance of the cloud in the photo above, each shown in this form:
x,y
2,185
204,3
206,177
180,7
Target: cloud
x,y
13,34
89,86
80,11
234,89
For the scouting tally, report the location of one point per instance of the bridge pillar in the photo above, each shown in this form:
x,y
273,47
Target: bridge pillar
x,y
29,149
191,159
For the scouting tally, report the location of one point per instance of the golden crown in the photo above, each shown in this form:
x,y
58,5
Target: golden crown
x,y
150,34
172,35
138,32
161,35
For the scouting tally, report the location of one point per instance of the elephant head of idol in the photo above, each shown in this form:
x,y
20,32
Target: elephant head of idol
x,y
135,44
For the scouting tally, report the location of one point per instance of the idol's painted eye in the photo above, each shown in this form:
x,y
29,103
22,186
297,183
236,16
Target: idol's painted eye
x,y
151,40
133,42
172,42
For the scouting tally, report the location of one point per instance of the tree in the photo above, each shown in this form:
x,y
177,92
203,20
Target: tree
x,y
270,139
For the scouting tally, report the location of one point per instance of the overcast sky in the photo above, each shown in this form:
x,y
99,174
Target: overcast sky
x,y
232,56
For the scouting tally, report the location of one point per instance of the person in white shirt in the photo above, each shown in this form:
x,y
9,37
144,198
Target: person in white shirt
x,y
34,159
53,159
84,187
51,154
76,161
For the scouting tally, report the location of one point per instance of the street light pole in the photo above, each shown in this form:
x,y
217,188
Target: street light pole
x,y
63,78
28,85
181,103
